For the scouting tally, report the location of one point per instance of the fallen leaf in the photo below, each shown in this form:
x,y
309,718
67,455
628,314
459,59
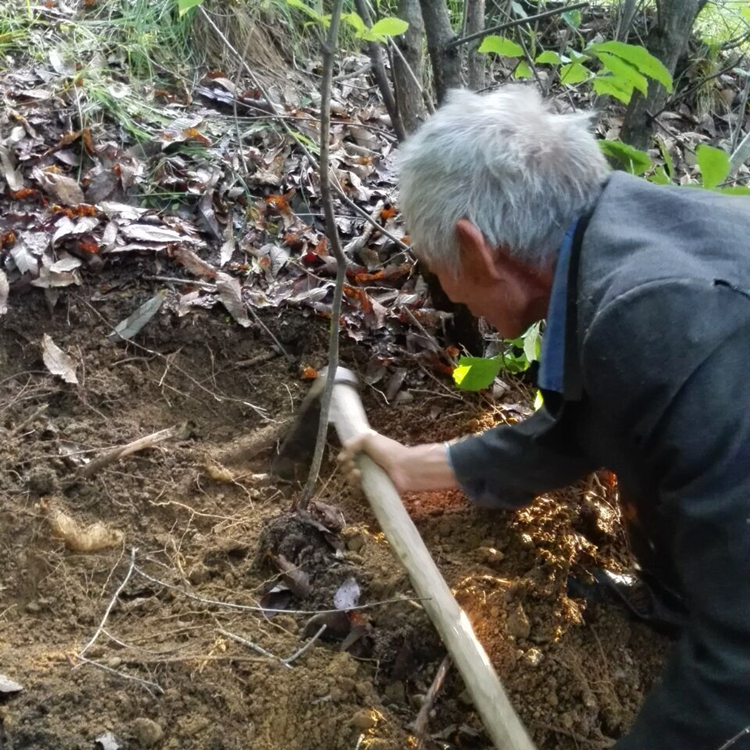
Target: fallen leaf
x,y
63,189
108,741
57,361
12,175
66,263
279,597
77,537
8,686
294,577
122,210
133,323
49,279
23,258
347,595
152,233
227,247
196,265
67,227
4,291
109,236
230,293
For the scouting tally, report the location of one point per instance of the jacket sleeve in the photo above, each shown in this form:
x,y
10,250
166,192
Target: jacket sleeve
x,y
684,397
507,466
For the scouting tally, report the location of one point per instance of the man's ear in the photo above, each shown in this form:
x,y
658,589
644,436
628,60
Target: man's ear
x,y
477,261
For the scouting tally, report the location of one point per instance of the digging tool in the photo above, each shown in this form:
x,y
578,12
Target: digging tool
x,y
451,622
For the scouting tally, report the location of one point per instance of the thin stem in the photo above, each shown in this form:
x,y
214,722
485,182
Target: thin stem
x,y
329,55
513,23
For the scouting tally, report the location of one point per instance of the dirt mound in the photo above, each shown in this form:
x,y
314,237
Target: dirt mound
x,y
175,667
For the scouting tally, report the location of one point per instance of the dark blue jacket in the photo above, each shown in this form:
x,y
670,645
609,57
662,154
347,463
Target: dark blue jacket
x,y
657,389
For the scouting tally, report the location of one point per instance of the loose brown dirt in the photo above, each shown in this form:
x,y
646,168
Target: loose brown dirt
x,y
210,523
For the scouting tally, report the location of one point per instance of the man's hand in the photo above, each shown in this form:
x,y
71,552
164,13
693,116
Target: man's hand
x,y
411,469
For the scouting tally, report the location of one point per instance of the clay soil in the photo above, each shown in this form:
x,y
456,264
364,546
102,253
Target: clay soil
x,y
207,520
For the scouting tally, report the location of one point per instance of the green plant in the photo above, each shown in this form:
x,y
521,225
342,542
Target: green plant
x,y
478,373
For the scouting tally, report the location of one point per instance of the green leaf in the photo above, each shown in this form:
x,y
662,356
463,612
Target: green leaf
x,y
624,70
639,57
573,73
613,86
386,27
532,343
522,70
572,18
635,161
309,11
183,6
713,164
577,56
660,177
476,373
500,46
355,20
538,401
745,13
668,165
549,58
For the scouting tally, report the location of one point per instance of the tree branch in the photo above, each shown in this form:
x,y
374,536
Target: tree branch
x,y
329,55
511,24
375,54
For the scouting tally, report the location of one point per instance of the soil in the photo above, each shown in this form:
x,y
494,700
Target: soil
x,y
207,519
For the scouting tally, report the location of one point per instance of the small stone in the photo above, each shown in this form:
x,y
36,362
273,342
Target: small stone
x,y
567,720
552,700
533,657
490,556
8,686
417,700
114,662
33,608
107,741
364,720
356,542
518,623
147,731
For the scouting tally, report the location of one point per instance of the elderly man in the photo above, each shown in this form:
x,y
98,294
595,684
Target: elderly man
x,y
645,370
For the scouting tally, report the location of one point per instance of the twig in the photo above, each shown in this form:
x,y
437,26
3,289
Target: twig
x,y
17,429
741,155
265,610
81,655
280,346
329,53
516,22
375,54
110,605
281,118
734,739
254,646
741,117
353,74
304,649
147,683
359,242
420,724
149,441
422,90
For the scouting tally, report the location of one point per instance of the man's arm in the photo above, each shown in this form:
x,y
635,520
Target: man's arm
x,y
505,467
685,399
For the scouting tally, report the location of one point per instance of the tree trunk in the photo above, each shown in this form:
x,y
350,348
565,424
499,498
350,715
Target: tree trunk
x,y
475,23
375,52
667,41
446,63
408,95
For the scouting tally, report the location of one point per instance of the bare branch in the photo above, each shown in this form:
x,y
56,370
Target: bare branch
x,y
516,22
420,724
329,56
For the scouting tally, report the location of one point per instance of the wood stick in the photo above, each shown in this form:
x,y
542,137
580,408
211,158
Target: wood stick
x,y
420,724
149,441
500,720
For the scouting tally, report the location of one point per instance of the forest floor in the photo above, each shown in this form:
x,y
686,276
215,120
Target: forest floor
x,y
163,265
204,517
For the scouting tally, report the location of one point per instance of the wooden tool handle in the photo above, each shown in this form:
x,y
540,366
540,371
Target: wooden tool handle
x,y
451,622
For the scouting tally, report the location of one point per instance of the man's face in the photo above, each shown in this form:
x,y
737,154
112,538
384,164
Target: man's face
x,y
496,299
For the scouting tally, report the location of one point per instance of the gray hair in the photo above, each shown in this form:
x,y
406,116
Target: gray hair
x,y
518,171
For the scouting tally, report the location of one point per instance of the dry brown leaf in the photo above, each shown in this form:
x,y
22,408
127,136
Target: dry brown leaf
x,y
80,538
230,293
57,361
151,233
64,190
217,472
196,265
7,164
